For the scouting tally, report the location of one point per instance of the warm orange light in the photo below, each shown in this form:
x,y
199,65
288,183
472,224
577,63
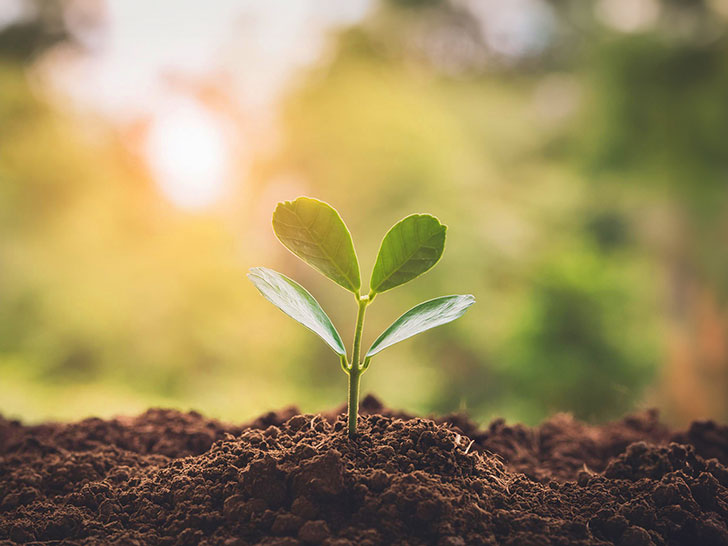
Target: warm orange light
x,y
189,154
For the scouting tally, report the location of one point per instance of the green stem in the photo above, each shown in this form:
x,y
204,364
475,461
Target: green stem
x,y
355,370
354,377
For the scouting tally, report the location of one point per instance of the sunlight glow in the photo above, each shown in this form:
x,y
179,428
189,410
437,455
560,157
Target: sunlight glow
x,y
189,154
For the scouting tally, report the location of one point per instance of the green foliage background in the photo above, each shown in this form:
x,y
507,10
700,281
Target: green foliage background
x,y
584,185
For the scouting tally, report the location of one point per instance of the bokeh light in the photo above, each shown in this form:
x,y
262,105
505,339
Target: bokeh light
x,y
189,154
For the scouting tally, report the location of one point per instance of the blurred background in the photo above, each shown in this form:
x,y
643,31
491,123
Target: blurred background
x,y
577,150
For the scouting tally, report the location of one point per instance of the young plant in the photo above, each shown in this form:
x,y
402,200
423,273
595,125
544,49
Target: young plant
x,y
315,232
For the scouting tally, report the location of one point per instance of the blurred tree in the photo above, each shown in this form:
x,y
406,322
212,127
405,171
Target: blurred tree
x,y
657,120
576,150
41,26
575,347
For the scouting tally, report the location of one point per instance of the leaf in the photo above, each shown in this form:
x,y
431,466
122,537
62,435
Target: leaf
x,y
422,317
410,248
296,302
315,232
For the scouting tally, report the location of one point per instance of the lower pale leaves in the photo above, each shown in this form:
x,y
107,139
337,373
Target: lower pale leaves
x,y
420,318
296,302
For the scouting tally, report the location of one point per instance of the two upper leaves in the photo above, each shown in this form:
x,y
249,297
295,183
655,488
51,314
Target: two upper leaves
x,y
315,232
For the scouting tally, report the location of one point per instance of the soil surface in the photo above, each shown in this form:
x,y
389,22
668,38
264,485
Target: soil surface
x,y
167,478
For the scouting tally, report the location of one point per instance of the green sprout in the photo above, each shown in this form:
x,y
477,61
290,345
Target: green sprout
x,y
314,231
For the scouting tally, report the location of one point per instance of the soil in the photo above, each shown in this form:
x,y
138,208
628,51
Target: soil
x,y
167,478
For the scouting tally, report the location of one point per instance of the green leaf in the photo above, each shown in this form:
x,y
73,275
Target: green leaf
x,y
420,318
296,302
315,232
411,247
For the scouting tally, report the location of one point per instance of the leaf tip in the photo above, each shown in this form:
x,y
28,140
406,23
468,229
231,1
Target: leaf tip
x,y
429,216
292,202
468,300
286,205
255,272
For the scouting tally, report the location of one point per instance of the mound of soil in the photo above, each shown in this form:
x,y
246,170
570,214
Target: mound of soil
x,y
167,478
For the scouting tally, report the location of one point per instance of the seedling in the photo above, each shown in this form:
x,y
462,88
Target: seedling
x,y
315,232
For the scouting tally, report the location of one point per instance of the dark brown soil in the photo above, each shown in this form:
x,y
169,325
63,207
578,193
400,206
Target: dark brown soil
x,y
171,478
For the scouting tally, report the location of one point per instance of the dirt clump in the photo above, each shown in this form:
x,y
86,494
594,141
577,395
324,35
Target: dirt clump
x,y
156,431
561,447
169,478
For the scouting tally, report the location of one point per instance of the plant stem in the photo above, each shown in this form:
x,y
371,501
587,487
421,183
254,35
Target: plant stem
x,y
354,377
355,371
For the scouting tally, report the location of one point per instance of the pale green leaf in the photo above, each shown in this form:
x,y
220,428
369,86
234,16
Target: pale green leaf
x,y
422,317
296,302
410,248
315,232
